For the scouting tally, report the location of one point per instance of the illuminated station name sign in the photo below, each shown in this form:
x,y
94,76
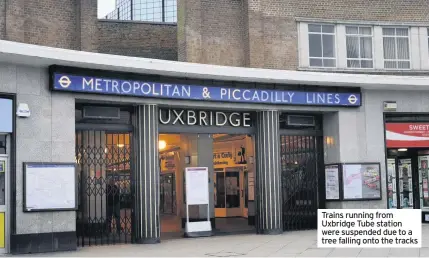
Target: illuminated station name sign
x,y
99,85
204,118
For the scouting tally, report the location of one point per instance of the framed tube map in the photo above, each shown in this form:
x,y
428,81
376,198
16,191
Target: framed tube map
x,y
361,181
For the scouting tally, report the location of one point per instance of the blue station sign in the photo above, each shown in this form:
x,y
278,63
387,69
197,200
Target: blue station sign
x,y
99,85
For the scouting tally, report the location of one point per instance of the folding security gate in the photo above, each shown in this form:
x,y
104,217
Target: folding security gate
x,y
168,194
105,202
300,167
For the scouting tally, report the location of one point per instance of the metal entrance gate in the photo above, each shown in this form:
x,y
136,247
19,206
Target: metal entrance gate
x,y
168,194
105,202
299,165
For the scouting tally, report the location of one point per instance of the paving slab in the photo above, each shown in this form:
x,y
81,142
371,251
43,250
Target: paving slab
x,y
374,252
404,252
288,244
345,252
424,252
316,252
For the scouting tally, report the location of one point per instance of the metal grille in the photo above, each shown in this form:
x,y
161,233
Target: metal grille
x,y
105,202
168,194
299,182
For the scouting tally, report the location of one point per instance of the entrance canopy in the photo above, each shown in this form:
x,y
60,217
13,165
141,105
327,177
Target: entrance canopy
x,y
41,56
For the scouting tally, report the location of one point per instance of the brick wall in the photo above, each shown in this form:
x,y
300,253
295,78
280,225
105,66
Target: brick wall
x,y
271,37
138,39
87,20
42,22
2,19
73,24
212,31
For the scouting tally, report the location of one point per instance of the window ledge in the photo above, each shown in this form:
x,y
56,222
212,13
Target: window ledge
x,y
364,71
138,22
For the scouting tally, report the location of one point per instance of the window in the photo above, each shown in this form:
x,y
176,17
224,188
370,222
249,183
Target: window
x,y
359,47
396,48
321,41
145,10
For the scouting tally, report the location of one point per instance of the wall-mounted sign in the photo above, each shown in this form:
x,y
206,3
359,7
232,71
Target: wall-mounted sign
x,y
223,159
104,85
390,105
407,135
204,118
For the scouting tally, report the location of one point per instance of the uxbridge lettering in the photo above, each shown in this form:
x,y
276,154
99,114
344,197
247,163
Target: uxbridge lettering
x,y
204,118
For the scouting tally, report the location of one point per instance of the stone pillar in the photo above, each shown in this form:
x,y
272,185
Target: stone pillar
x,y
268,175
147,193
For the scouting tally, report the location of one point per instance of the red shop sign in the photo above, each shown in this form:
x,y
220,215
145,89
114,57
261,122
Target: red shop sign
x,y
407,135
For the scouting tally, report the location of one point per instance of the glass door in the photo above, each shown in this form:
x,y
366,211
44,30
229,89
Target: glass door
x,y
233,193
423,182
391,184
229,197
405,178
220,193
168,194
245,194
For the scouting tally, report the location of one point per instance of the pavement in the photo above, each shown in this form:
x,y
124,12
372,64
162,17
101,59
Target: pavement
x,y
289,244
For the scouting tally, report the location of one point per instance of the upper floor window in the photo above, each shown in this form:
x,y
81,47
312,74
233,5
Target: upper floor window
x,y
144,10
321,41
359,47
396,48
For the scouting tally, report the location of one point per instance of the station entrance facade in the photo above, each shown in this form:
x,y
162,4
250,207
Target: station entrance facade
x,y
264,172
224,143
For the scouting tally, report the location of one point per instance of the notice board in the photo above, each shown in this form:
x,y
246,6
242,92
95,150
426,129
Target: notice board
x,y
332,182
50,187
197,185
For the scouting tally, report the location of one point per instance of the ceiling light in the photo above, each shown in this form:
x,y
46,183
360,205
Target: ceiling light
x,y
402,149
162,144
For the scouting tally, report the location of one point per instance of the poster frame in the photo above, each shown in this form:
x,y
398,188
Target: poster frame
x,y
361,199
340,181
24,203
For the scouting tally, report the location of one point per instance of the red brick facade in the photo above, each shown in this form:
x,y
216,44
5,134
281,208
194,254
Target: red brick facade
x,y
73,24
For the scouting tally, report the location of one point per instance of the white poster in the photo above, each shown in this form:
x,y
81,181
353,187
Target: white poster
x,y
332,183
352,181
197,185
